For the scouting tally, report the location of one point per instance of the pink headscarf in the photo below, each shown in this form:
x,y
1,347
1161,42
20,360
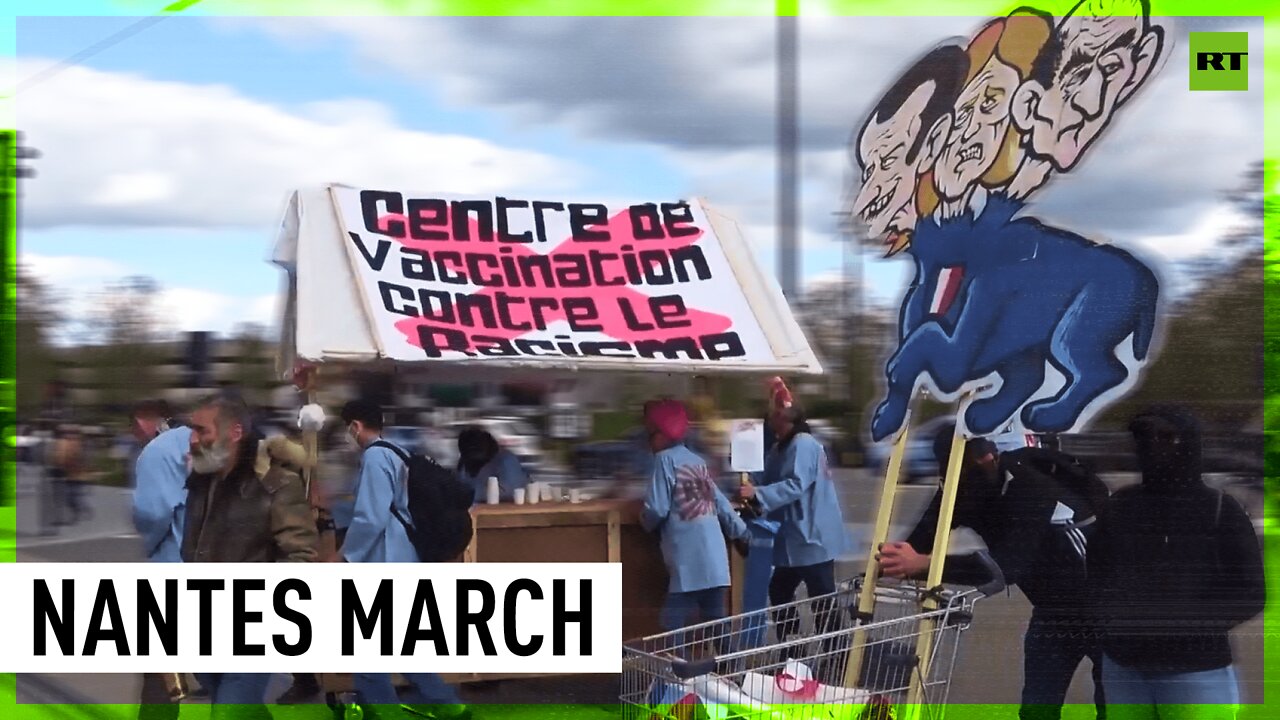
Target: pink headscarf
x,y
669,417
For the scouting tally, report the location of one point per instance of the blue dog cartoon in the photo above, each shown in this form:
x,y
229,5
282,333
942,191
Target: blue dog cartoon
x,y
1003,295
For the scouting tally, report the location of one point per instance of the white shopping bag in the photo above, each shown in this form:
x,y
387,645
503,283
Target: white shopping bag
x,y
727,698
795,684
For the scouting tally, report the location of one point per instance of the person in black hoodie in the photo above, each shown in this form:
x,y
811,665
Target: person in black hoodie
x,y
1035,509
1177,566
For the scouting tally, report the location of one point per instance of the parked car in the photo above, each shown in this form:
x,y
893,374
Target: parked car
x,y
439,445
918,463
830,437
609,458
412,439
628,454
1224,452
26,448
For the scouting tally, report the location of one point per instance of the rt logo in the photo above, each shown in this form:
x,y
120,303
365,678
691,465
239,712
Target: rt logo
x,y
1219,61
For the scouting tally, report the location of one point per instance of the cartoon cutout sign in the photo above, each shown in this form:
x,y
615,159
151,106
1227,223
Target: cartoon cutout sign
x,y
948,156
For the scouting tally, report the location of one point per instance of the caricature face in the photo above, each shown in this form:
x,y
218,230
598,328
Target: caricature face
x,y
888,174
977,134
1102,61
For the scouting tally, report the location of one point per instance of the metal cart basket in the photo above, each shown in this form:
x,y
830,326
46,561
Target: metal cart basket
x,y
810,659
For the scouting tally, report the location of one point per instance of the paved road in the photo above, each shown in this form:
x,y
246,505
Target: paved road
x,y
988,671
38,509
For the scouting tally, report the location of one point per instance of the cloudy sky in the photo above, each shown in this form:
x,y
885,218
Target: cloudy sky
x,y
170,154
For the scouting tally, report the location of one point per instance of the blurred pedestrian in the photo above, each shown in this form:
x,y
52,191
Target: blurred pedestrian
x,y
23,442
692,516
1035,509
246,503
796,490
480,457
50,494
378,534
67,468
1177,566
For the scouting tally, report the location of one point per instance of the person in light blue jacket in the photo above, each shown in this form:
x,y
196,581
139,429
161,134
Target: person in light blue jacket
x,y
796,490
159,509
480,457
374,533
378,535
160,487
692,515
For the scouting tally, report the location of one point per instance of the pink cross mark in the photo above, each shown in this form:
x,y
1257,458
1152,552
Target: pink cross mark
x,y
609,300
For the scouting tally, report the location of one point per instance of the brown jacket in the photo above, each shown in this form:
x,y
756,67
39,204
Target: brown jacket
x,y
258,513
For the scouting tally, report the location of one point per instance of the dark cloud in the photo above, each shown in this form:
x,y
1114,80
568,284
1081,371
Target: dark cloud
x,y
691,82
702,87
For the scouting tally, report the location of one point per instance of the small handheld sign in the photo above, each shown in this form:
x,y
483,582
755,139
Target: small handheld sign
x,y
746,445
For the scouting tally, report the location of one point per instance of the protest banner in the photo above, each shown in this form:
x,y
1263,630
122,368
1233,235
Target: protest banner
x,y
526,281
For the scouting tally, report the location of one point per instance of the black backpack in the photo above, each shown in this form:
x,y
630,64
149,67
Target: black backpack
x,y
439,507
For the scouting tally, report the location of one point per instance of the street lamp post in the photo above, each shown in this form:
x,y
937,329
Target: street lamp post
x,y
788,151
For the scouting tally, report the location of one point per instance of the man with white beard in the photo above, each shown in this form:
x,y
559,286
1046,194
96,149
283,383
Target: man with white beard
x,y
246,502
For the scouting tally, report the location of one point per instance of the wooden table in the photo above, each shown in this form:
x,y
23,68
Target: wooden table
x,y
590,531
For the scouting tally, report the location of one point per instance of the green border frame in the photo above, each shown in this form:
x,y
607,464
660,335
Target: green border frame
x,y
1268,10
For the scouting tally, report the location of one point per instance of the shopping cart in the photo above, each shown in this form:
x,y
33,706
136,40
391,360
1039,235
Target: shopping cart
x,y
872,650
790,662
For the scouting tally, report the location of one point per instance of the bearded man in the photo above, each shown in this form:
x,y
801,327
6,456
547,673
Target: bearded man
x,y
246,502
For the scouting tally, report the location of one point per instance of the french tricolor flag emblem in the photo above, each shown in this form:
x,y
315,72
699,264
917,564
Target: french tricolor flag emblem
x,y
947,289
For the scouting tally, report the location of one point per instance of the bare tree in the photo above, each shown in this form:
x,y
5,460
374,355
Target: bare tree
x,y
254,362
39,321
1212,356
127,322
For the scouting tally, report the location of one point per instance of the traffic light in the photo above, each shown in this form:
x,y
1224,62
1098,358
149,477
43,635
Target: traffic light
x,y
198,359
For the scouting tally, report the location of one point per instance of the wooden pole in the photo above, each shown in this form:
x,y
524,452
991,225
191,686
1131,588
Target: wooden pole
x,y
879,535
738,565
937,560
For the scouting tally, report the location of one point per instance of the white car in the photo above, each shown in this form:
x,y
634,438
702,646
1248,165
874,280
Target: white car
x,y
441,443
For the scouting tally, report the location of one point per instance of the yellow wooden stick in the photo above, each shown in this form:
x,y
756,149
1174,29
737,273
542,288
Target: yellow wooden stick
x,y
879,535
937,560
